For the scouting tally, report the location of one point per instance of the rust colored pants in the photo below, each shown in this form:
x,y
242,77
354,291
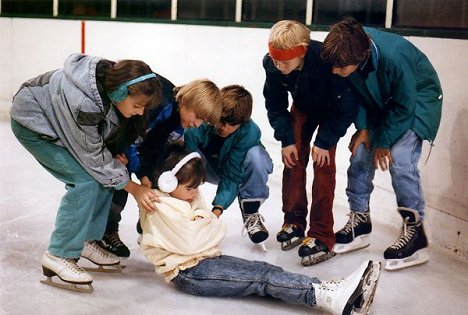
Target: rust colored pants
x,y
323,186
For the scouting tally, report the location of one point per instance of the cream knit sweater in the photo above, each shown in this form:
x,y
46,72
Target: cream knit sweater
x,y
179,234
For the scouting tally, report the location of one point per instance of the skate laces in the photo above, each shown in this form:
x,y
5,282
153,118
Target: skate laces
x,y
253,224
354,219
407,232
72,265
113,239
288,228
308,240
99,250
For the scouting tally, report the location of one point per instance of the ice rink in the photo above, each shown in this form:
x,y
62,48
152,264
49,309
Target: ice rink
x,y
28,201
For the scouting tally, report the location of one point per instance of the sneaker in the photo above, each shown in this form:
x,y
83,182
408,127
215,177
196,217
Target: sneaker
x,y
351,295
410,247
97,255
111,242
355,234
66,269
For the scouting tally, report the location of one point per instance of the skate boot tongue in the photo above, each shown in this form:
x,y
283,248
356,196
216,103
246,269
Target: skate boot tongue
x,y
410,216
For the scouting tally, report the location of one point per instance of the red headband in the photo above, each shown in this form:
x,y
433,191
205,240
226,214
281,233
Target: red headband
x,y
286,54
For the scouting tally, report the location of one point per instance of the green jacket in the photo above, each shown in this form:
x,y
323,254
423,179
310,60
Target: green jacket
x,y
231,156
401,89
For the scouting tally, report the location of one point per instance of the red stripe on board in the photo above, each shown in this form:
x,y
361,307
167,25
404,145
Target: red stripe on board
x,y
83,36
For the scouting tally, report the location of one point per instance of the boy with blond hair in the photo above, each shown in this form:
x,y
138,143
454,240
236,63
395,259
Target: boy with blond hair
x,y
322,102
235,159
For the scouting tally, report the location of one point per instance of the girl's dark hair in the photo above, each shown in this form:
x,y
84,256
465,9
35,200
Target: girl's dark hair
x,y
119,73
346,44
191,174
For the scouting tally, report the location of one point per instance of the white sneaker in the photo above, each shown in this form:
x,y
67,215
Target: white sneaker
x,y
97,255
64,268
353,294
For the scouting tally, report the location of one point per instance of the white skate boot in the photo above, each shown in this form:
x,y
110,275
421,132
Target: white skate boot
x,y
351,295
99,256
68,271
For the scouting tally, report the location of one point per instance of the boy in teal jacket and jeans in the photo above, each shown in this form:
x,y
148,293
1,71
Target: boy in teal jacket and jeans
x,y
235,159
403,101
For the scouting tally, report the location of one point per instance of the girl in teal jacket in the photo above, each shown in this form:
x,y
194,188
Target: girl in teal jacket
x,y
403,101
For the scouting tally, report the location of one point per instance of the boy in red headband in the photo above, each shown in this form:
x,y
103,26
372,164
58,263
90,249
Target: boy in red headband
x,y
321,101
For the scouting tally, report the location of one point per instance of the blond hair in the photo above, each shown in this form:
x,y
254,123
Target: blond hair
x,y
288,34
203,98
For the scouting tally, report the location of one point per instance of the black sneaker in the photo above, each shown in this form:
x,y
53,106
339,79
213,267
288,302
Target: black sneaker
x,y
112,243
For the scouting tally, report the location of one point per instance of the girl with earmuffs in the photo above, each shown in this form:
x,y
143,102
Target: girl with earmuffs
x,y
70,119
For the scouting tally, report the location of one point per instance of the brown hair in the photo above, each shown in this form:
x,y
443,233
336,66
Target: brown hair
x,y
202,97
237,105
346,44
191,173
131,128
126,70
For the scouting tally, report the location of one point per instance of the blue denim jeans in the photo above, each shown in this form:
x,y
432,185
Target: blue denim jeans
x,y
257,166
229,276
83,210
404,172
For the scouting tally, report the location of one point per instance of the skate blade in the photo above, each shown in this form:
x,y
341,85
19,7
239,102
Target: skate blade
x,y
75,287
418,258
369,287
262,246
359,242
105,269
291,243
307,261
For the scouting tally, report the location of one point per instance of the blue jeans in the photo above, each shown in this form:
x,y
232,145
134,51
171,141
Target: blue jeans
x,y
404,172
83,210
257,166
229,276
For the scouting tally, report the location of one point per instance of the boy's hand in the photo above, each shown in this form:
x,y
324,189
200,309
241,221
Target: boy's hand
x,y
320,156
382,159
217,210
360,136
289,155
122,158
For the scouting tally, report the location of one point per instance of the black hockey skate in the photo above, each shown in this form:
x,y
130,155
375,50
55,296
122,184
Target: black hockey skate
x,y
112,243
314,251
290,236
411,246
355,234
253,221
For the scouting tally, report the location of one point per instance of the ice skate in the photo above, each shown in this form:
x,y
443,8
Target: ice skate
x,y
253,221
351,295
111,242
73,277
355,234
106,261
411,246
290,236
314,251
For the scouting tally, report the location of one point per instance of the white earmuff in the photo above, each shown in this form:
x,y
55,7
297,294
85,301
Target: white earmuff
x,y
167,181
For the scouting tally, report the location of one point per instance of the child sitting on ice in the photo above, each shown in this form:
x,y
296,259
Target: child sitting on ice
x,y
182,240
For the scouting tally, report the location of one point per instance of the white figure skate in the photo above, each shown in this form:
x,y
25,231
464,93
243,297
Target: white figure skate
x,y
106,261
66,269
351,295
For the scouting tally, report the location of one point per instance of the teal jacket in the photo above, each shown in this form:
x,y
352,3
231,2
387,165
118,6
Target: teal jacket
x,y
401,89
231,156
